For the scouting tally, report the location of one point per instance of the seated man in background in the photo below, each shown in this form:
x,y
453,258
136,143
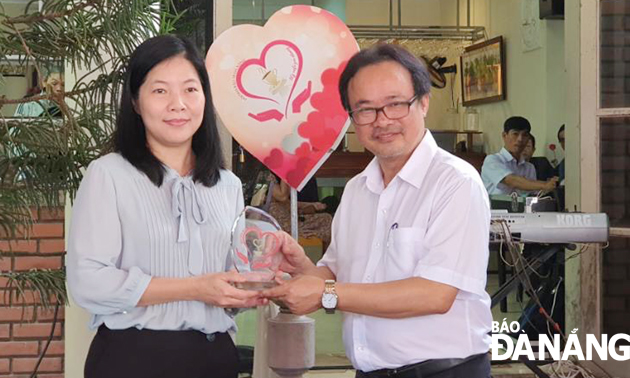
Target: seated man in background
x,y
53,84
544,169
507,172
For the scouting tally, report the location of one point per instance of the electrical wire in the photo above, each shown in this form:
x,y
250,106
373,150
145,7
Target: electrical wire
x,y
553,304
568,369
526,281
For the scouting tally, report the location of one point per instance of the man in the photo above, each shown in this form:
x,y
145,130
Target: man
x,y
560,167
506,171
409,252
544,169
54,84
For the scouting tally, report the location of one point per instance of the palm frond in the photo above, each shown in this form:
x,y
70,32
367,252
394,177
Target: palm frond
x,y
42,159
46,285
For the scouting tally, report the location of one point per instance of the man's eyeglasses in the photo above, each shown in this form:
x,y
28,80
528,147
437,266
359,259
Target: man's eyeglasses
x,y
395,110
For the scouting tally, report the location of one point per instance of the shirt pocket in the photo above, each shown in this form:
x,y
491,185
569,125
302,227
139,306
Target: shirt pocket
x,y
402,252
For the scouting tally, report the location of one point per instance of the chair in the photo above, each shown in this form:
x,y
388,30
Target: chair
x,y
544,169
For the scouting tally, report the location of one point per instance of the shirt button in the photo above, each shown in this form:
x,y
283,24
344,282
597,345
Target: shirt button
x,y
124,312
384,211
360,349
378,245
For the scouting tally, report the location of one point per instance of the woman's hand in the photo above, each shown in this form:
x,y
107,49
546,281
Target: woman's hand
x,y
217,289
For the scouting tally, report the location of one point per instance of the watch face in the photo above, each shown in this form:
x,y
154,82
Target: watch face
x,y
329,300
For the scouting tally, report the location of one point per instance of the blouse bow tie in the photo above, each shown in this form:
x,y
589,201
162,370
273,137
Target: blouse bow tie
x,y
186,199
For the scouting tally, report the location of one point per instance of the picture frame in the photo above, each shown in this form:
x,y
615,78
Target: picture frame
x,y
12,70
483,72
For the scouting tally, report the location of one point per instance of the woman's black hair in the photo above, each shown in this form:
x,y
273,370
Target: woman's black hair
x,y
130,135
384,52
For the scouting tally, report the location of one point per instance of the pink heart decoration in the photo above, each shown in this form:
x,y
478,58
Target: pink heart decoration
x,y
262,248
278,88
275,88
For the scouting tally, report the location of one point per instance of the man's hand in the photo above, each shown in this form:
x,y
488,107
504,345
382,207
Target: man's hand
x,y
294,259
551,184
217,289
302,295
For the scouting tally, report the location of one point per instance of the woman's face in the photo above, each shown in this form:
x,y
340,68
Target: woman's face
x,y
528,151
54,83
171,103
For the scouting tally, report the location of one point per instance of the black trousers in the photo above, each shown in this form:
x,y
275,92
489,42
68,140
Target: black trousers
x,y
475,368
133,353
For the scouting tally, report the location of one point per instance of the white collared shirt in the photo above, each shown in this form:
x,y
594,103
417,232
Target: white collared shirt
x,y
431,221
497,166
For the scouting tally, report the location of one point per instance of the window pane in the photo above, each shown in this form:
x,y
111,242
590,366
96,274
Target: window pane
x,y
616,277
247,12
193,22
615,170
272,7
614,54
258,11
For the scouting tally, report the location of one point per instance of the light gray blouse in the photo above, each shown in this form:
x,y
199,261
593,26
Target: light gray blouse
x,y
125,230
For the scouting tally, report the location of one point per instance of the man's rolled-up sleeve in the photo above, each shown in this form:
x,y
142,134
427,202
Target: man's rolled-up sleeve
x,y
493,171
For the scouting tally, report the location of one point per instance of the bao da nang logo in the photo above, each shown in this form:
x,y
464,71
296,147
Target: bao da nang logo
x,y
506,346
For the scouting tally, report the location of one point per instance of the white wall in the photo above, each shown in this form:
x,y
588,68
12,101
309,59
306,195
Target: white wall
x,y
556,85
535,80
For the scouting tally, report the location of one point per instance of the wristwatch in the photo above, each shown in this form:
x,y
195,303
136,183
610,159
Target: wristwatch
x,y
329,298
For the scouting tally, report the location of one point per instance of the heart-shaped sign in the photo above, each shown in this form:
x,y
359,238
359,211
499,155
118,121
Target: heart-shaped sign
x,y
276,88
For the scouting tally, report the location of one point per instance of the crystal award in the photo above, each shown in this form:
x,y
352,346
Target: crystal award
x,y
255,248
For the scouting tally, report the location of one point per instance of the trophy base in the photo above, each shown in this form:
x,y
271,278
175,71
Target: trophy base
x,y
255,285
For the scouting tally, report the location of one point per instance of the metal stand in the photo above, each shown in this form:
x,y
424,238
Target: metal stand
x,y
294,214
504,290
290,339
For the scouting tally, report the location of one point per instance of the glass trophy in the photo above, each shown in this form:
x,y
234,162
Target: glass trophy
x,y
255,248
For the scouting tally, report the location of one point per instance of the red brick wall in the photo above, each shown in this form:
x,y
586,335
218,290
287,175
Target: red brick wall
x,y
24,326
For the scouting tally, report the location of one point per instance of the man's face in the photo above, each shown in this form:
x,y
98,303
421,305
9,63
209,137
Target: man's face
x,y
515,141
529,150
561,138
382,84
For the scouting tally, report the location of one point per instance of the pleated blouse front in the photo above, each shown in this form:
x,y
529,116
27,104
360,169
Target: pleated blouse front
x,y
125,230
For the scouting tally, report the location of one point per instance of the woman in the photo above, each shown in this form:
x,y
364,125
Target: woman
x,y
150,233
312,221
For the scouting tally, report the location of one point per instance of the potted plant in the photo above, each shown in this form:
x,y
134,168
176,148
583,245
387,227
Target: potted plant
x,y
53,134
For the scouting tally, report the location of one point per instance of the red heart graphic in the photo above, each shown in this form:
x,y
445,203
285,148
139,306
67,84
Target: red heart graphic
x,y
269,72
262,248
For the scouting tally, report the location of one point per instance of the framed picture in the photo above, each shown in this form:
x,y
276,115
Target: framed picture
x,y
483,72
9,69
